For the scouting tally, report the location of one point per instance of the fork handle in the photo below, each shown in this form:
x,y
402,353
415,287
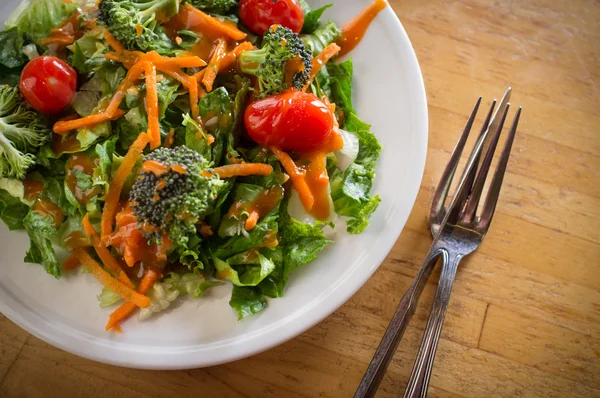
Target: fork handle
x,y
421,373
387,347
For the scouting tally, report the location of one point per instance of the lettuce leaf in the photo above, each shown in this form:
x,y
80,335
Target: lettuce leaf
x,y
107,298
41,230
216,110
340,76
244,269
312,19
88,53
11,53
322,37
300,243
226,248
37,17
247,301
351,190
13,208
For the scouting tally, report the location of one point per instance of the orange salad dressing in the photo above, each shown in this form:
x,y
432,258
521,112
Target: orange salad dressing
x,y
354,31
46,207
32,189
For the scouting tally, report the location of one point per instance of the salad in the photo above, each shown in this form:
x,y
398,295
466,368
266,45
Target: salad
x,y
172,146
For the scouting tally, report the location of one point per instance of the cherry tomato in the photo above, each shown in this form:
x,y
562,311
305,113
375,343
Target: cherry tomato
x,y
259,15
291,121
48,84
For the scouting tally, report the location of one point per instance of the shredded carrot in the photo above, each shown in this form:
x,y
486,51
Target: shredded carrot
x,y
155,167
109,261
132,75
152,105
179,169
64,40
108,281
126,309
116,185
298,178
321,60
210,139
112,111
114,43
70,263
169,139
251,220
215,24
182,62
62,126
231,57
175,73
243,169
194,107
220,49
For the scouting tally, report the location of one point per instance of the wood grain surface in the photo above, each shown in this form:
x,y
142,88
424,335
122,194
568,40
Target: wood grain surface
x,y
524,318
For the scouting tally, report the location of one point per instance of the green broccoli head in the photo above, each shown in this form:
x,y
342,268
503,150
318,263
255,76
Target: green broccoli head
x,y
22,132
220,7
135,23
279,46
172,202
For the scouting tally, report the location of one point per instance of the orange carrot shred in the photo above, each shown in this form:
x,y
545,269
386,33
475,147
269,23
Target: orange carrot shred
x,y
126,309
215,24
132,75
243,169
108,281
194,107
62,126
220,49
70,263
116,185
298,178
109,261
251,220
114,43
152,105
320,60
169,139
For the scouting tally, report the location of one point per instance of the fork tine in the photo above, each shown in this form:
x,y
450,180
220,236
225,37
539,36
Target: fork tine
x,y
475,196
494,192
441,193
477,155
493,125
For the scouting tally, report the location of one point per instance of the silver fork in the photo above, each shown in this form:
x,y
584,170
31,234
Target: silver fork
x,y
458,231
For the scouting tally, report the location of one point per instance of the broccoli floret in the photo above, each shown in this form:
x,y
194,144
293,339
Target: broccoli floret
x,y
22,132
135,22
279,46
173,201
220,7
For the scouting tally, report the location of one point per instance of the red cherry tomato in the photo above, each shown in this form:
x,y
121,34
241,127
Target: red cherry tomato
x,y
291,121
48,84
259,15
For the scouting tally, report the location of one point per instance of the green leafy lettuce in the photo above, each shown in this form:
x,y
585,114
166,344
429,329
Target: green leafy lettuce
x,y
37,17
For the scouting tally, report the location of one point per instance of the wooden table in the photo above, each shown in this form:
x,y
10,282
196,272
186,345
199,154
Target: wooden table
x,y
524,319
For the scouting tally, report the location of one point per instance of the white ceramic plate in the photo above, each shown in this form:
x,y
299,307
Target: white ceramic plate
x,y
389,94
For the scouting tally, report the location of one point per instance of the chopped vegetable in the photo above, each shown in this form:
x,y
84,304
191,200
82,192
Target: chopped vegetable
x,y
280,46
113,284
135,23
185,151
22,132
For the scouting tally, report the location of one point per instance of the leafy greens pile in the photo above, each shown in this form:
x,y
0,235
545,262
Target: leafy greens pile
x,y
47,189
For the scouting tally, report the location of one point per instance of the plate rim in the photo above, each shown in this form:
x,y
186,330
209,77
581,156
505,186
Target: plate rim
x,y
156,361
